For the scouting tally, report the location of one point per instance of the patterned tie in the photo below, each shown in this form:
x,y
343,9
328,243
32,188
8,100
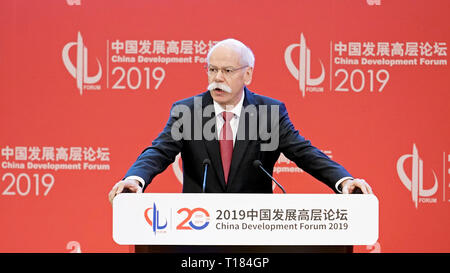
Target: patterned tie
x,y
226,143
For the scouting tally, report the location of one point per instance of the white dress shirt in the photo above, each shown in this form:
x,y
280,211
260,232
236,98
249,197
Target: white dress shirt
x,y
234,123
236,110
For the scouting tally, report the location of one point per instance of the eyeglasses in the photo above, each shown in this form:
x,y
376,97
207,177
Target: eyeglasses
x,y
226,71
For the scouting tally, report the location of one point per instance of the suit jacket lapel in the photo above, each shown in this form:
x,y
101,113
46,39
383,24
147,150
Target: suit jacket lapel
x,y
212,146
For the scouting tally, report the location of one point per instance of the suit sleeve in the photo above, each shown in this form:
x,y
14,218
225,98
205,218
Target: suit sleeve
x,y
157,157
307,157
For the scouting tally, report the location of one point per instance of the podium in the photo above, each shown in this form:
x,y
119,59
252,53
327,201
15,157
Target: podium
x,y
244,223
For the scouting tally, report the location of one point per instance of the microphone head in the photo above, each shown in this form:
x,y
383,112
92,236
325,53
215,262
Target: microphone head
x,y
206,161
257,163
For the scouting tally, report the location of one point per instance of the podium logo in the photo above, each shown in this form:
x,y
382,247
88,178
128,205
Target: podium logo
x,y
154,220
414,183
80,71
196,219
303,73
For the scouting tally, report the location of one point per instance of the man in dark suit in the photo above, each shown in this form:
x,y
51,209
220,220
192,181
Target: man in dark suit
x,y
229,127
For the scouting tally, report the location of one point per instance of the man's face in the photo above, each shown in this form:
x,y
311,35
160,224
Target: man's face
x,y
226,58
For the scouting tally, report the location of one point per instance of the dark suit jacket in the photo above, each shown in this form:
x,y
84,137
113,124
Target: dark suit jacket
x,y
243,176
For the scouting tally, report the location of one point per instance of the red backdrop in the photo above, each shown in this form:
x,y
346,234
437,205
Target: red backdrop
x,y
86,85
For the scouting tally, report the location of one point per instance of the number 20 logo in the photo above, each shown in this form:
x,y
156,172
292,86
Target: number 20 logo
x,y
194,217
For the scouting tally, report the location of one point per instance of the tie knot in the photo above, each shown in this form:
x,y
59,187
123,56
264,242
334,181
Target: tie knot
x,y
227,116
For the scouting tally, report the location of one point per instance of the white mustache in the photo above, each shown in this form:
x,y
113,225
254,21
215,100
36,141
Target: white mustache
x,y
219,85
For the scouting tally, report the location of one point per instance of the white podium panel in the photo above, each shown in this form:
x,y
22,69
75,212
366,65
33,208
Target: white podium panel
x,y
245,219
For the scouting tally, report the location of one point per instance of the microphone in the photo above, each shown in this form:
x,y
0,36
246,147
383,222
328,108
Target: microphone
x,y
206,162
258,164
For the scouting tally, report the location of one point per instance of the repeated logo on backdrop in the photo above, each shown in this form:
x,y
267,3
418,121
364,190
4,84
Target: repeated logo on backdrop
x,y
414,181
80,70
360,66
303,73
137,65
73,2
24,164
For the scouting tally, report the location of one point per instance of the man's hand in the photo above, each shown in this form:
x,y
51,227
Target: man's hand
x,y
350,185
129,185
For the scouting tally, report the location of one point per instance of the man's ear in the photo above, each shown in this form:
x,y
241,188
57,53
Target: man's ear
x,y
248,75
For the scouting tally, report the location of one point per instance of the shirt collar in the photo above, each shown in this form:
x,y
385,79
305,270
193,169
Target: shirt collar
x,y
218,109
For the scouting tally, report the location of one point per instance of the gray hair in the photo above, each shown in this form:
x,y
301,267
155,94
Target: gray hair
x,y
247,57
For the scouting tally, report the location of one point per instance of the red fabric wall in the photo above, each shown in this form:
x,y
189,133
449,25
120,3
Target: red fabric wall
x,y
76,95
